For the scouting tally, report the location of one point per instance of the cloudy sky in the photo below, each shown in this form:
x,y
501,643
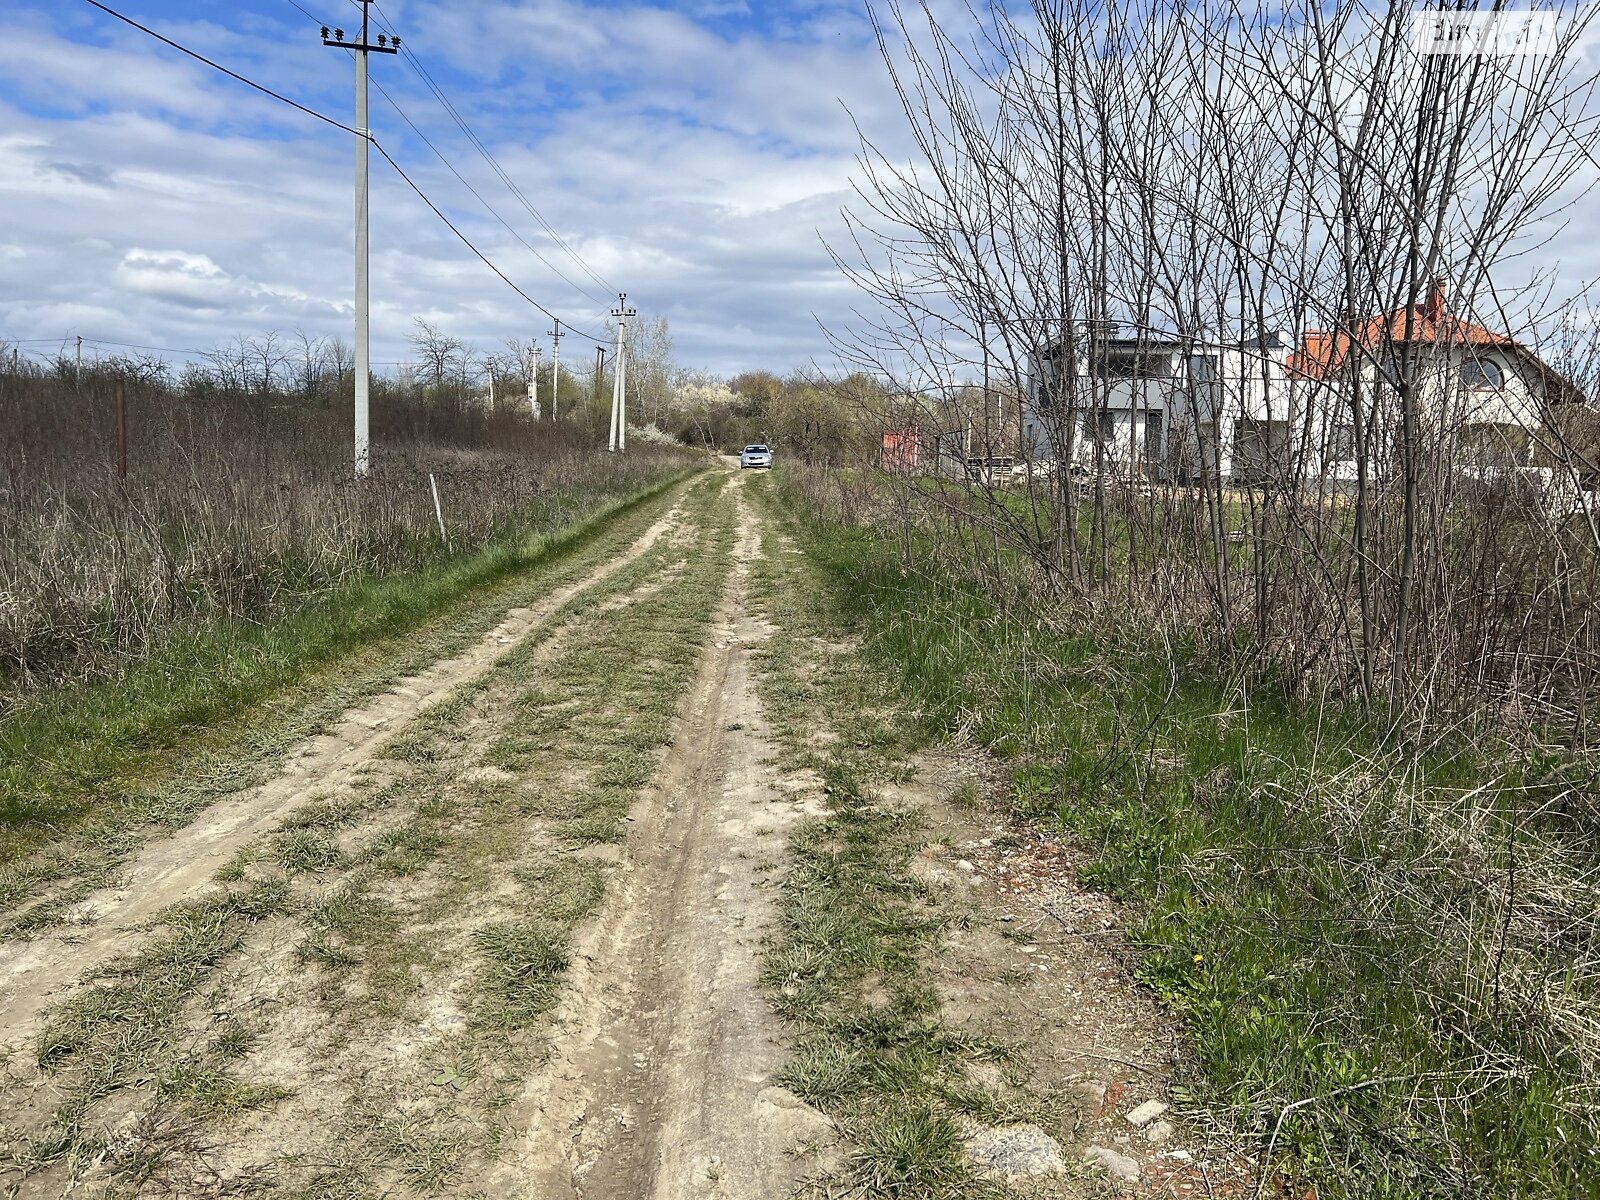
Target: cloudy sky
x,y
694,154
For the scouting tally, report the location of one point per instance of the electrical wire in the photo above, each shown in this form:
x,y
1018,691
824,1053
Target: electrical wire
x,y
216,66
444,101
560,274
294,4
395,104
347,129
460,121
465,241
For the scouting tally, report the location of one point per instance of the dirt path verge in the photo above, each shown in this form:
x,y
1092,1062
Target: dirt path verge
x,y
966,1013
661,1075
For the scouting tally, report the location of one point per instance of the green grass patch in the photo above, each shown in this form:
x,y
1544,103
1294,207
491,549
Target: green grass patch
x,y
1384,954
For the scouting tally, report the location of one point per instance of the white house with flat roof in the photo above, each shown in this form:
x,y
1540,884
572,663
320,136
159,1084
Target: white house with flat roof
x,y
1271,411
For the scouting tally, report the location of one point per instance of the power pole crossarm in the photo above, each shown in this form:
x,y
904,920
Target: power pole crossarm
x,y
361,49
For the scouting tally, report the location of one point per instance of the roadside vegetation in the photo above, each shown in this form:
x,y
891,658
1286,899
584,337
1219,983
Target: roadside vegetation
x,y
92,771
239,564
355,1007
239,502
1304,653
1382,946
849,967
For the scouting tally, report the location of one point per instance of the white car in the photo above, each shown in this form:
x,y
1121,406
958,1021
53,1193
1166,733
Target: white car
x,y
756,456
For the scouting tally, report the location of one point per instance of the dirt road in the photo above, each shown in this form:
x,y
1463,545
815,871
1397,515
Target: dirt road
x,y
300,1049
562,914
660,1081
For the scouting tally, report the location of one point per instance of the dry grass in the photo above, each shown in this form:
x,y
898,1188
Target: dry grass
x,y
240,502
1385,942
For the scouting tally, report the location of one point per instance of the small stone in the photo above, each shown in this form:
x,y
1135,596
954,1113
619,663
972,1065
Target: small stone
x,y
1119,1166
1145,1113
964,865
1018,1150
1158,1133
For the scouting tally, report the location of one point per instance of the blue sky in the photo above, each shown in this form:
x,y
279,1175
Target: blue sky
x,y
694,154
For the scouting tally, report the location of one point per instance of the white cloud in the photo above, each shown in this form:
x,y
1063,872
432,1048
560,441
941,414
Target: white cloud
x,y
191,280
154,201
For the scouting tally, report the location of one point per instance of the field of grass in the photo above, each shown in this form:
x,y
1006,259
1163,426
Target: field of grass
x,y
1384,953
101,759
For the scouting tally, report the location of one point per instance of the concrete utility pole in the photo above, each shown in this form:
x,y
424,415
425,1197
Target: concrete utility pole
x,y
77,379
619,384
599,372
555,367
533,382
363,136
491,386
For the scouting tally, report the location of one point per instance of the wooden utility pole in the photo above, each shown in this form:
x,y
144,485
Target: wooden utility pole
x,y
363,451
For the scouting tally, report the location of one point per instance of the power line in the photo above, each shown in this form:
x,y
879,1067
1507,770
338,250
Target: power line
x,y
444,101
465,241
450,109
316,19
483,150
394,104
347,129
216,66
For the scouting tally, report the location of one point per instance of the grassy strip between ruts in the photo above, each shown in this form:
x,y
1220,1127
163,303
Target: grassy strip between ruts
x,y
204,716
856,927
429,913
1333,920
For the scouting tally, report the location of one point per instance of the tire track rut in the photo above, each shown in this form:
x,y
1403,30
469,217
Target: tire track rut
x,y
661,1075
38,973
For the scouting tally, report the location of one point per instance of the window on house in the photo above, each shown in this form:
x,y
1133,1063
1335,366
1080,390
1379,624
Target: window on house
x,y
1341,443
1482,373
1127,366
1155,442
1100,426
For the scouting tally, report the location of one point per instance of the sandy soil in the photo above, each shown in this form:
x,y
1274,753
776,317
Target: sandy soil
x,y
660,1079
41,972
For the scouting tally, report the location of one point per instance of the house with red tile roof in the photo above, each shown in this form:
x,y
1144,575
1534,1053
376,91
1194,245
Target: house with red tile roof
x,y
1483,398
1275,410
